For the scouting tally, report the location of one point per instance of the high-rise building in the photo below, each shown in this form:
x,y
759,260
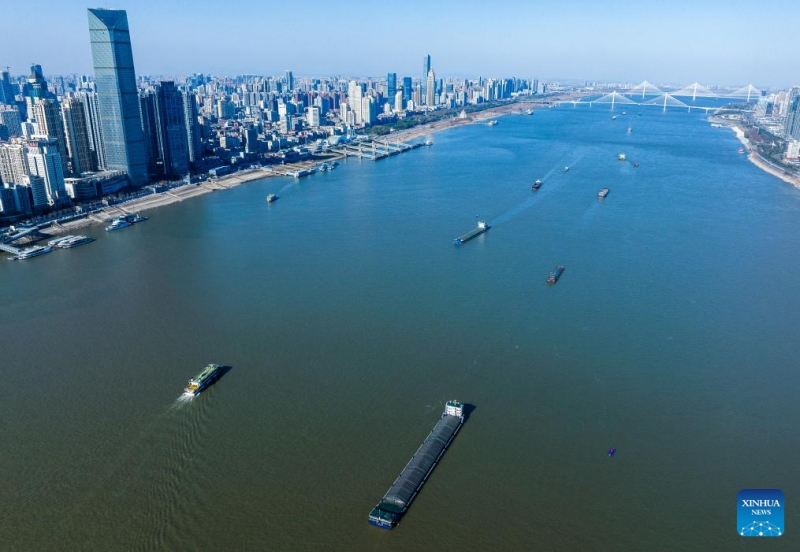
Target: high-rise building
x,y
408,89
369,111
391,86
44,161
147,106
171,129
354,96
91,111
6,90
13,163
398,100
193,137
430,94
426,68
793,114
76,130
37,85
9,119
289,81
118,100
313,117
47,113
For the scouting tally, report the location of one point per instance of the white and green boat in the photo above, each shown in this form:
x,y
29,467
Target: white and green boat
x,y
202,380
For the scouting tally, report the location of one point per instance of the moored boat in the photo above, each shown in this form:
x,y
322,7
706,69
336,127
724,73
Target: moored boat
x,y
202,380
30,252
117,224
492,122
556,274
134,218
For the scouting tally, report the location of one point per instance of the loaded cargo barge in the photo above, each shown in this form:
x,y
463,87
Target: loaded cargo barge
x,y
480,229
402,492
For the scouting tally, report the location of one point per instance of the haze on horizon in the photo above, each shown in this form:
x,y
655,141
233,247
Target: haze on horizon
x,y
679,42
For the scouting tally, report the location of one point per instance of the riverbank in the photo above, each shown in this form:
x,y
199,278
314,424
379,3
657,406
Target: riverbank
x,y
754,157
182,193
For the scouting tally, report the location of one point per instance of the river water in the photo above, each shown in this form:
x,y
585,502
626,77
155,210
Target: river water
x,y
348,318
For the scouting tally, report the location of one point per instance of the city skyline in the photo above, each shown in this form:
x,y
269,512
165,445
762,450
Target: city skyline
x,y
676,43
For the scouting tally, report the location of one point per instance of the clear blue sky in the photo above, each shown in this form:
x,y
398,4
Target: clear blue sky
x,y
711,41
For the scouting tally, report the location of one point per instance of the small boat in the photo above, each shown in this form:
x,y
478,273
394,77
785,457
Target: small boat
x,y
624,113
271,198
556,274
741,150
428,143
630,130
74,241
613,117
134,218
118,224
635,163
603,193
529,112
492,122
202,380
566,169
536,185
612,451
621,156
29,252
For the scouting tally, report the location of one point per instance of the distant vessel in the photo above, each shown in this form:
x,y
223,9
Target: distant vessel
x,y
55,242
492,122
202,380
29,252
612,451
482,227
537,185
741,150
271,198
118,224
529,111
428,143
603,193
387,513
621,156
635,163
624,113
630,129
613,117
566,169
556,274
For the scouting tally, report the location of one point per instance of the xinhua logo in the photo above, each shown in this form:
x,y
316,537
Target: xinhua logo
x,y
760,513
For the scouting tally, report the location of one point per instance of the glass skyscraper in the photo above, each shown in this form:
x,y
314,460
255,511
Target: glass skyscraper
x,y
118,100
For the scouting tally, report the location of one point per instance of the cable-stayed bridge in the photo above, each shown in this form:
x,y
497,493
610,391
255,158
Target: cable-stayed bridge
x,y
647,93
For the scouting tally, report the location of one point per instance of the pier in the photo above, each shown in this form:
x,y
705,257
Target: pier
x,y
405,488
375,149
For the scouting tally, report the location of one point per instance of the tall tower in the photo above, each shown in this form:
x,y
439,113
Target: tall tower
x,y
408,89
48,116
6,91
192,128
77,133
355,95
289,81
391,86
430,95
171,129
118,99
793,114
426,68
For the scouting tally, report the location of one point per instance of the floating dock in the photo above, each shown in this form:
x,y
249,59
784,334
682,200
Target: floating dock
x,y
482,227
402,492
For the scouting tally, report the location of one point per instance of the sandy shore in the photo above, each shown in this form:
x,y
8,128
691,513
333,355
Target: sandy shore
x,y
753,156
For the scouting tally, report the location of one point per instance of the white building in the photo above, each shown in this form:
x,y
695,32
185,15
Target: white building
x,y
44,161
313,117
